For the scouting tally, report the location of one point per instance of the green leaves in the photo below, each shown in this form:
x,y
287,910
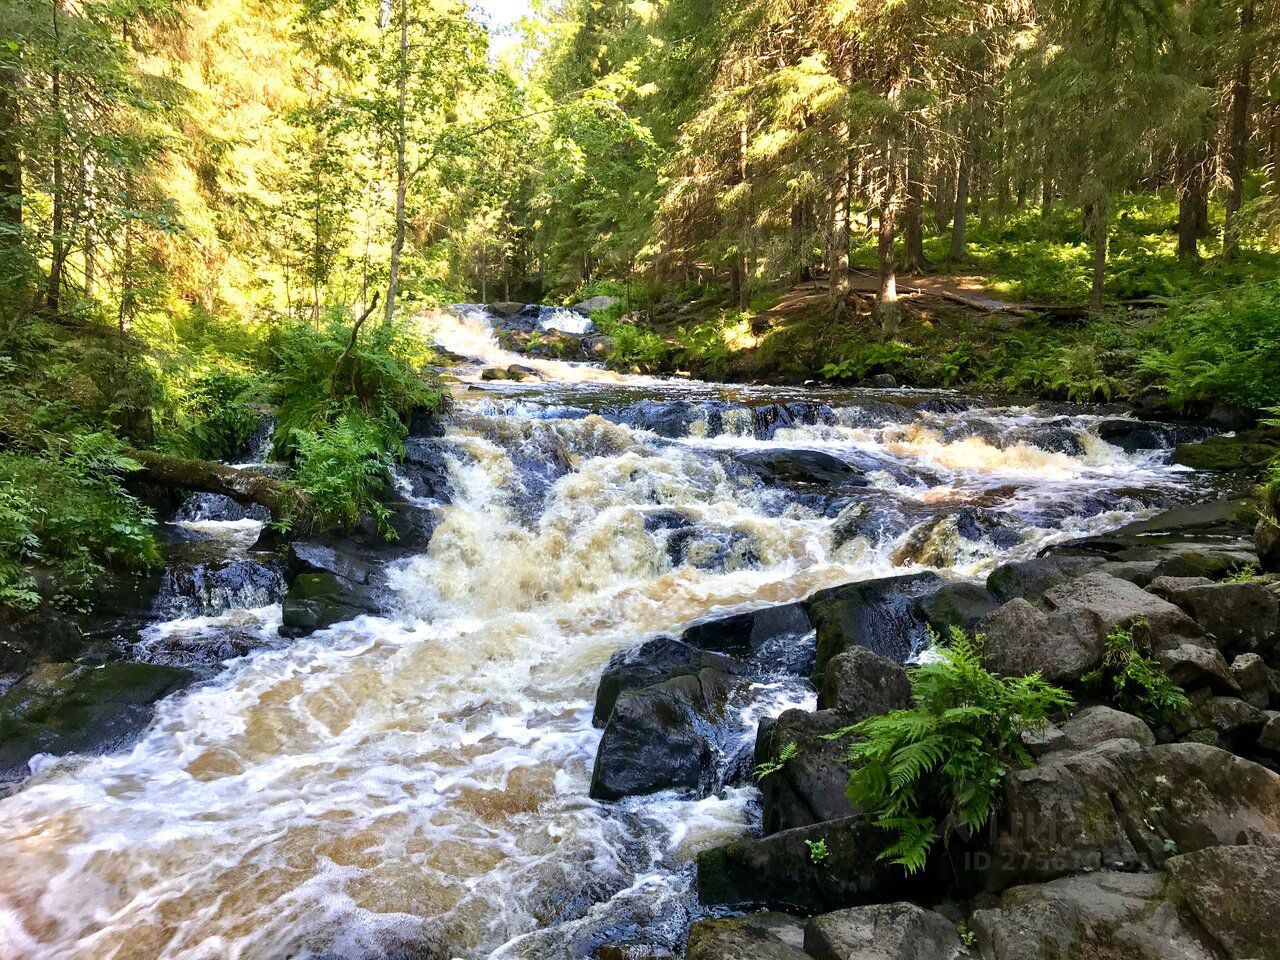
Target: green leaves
x,y
1134,682
922,772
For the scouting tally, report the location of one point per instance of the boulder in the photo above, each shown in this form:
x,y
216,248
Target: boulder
x,y
1269,738
1112,602
859,684
505,309
493,373
1226,721
310,557
1266,541
1134,435
883,931
69,707
519,372
773,634
1105,915
801,466
319,600
1029,579
1123,806
658,737
779,872
810,786
1248,449
881,615
1239,616
1231,894
1191,666
884,381
756,936
959,605
1094,725
1021,640
1254,679
592,304
652,662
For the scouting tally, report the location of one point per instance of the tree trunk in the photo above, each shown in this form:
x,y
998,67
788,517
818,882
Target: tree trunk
x,y
1193,189
961,215
286,501
402,186
10,161
57,239
1098,229
1238,132
888,309
744,227
840,238
944,197
913,213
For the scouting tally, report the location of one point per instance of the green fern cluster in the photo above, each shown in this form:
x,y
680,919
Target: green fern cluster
x,y
922,772
1134,682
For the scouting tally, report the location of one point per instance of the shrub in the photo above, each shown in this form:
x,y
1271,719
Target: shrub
x,y
68,512
922,772
344,466
213,417
1134,682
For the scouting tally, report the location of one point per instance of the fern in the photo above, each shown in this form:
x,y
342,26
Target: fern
x,y
922,772
1135,683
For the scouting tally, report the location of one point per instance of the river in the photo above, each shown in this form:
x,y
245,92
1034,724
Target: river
x,y
417,785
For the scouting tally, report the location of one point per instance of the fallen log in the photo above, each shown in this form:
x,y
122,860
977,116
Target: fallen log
x,y
287,502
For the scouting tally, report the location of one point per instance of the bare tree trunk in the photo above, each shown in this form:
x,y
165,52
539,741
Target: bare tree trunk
x,y
402,185
1098,229
744,229
1238,135
961,215
10,161
58,244
888,309
840,238
913,213
1193,188
944,194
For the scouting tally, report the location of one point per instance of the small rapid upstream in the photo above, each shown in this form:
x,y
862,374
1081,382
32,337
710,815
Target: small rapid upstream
x,y
417,785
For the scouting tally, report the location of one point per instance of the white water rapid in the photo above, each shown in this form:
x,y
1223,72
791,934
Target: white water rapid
x,y
417,785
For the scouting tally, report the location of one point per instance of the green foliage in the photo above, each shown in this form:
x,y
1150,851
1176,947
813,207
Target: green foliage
x,y
634,344
817,850
344,466
1220,347
213,416
922,772
702,346
1246,574
770,767
858,359
1133,681
67,513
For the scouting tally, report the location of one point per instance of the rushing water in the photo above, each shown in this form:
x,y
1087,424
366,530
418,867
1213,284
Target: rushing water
x,y
417,785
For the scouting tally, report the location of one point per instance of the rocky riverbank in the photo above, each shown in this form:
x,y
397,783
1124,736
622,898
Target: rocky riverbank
x,y
1126,839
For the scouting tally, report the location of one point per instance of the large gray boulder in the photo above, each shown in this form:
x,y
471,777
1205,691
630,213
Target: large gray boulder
x,y
505,309
1116,916
859,684
810,786
1029,579
884,931
592,304
1231,894
1068,638
1122,806
1096,725
658,737
652,662
959,605
1239,616
1190,665
755,936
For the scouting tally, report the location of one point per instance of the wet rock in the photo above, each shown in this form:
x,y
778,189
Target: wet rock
x,y
1123,806
493,373
426,467
520,372
756,936
1248,449
215,506
1239,616
309,557
778,871
884,931
851,522
319,600
1191,666
1121,915
711,549
652,662
199,588
1029,579
809,787
69,707
884,381
801,466
504,309
943,405
859,684
960,605
1231,894
1134,435
1096,725
881,615
776,636
660,737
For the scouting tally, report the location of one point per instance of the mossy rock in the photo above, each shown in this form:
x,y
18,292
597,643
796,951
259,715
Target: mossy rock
x,y
70,707
319,600
1247,450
